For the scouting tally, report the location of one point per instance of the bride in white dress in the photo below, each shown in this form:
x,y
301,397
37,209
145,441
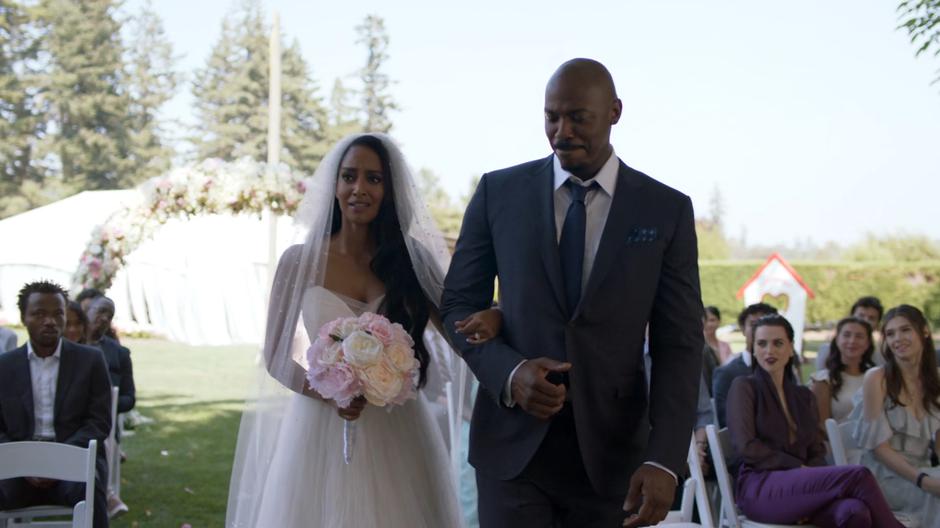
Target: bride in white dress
x,y
369,246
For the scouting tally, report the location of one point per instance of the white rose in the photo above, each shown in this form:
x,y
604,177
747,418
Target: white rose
x,y
381,383
330,354
347,327
361,349
401,357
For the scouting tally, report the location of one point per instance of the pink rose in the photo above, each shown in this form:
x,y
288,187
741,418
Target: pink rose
x,y
381,383
399,334
408,392
401,357
324,352
329,329
381,329
337,383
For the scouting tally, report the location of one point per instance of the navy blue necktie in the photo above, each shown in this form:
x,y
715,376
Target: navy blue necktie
x,y
571,245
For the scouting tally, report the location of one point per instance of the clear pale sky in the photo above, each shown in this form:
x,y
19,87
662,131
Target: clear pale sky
x,y
812,117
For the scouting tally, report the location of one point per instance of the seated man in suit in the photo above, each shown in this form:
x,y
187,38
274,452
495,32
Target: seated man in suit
x,y
740,365
7,340
100,313
53,390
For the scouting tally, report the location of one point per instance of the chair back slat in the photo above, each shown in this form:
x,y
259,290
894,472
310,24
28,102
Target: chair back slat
x,y
719,442
43,459
706,517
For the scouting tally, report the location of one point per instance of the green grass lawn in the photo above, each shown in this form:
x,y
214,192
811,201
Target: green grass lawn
x,y
178,467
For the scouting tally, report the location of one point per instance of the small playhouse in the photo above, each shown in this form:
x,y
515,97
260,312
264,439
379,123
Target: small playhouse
x,y
778,284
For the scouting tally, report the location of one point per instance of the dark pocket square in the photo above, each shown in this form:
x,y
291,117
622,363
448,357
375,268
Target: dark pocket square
x,y
642,235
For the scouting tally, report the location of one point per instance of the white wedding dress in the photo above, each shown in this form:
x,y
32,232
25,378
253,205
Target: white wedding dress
x,y
399,476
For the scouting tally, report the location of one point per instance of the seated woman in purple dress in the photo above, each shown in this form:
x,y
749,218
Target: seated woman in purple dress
x,y
779,448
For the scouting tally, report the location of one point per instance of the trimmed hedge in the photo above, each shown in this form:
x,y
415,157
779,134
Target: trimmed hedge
x,y
836,284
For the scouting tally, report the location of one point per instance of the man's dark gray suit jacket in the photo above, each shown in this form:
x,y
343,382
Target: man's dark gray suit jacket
x,y
645,270
82,409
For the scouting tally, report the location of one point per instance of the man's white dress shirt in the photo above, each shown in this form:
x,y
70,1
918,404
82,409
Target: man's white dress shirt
x,y
44,374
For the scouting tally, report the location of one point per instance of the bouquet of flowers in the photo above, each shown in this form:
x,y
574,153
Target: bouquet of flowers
x,y
366,356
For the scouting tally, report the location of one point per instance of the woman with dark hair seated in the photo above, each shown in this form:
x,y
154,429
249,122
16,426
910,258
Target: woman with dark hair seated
x,y
76,323
900,415
850,355
720,350
775,435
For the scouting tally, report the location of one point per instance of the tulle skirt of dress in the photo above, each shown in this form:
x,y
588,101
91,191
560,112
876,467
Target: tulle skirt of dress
x,y
399,476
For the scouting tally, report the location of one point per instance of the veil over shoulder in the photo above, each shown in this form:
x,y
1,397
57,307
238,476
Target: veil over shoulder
x,y
282,366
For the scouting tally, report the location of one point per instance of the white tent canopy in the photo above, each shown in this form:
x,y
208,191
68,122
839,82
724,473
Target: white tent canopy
x,y
47,242
200,281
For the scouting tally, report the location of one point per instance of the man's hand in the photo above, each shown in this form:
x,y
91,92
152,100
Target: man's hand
x,y
652,490
535,394
41,483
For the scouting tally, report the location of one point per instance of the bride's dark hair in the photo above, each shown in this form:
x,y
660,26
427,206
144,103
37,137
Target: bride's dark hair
x,y
405,302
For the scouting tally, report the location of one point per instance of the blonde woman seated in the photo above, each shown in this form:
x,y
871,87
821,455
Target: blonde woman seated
x,y
850,355
900,416
775,435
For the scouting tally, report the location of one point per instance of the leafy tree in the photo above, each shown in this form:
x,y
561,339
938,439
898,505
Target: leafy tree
x,y
921,20
152,81
88,140
377,103
232,97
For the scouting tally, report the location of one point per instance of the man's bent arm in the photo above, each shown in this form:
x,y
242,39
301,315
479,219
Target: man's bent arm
x,y
468,289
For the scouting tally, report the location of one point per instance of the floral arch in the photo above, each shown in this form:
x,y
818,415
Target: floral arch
x,y
212,186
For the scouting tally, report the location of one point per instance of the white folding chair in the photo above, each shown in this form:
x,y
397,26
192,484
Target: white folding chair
x,y
702,502
114,451
55,461
841,443
719,442
683,516
693,494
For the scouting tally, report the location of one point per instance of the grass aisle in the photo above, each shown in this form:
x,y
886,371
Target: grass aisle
x,y
178,467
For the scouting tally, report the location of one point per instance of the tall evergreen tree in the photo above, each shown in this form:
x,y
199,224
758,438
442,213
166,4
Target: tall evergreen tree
x,y
152,81
377,103
89,140
232,97
343,119
20,122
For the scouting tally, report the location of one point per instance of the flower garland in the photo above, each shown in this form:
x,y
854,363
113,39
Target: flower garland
x,y
209,187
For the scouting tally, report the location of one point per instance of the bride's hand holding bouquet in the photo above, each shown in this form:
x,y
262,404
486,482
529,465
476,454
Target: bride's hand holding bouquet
x,y
359,360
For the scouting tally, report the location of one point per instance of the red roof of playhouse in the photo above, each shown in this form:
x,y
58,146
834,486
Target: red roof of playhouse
x,y
786,265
